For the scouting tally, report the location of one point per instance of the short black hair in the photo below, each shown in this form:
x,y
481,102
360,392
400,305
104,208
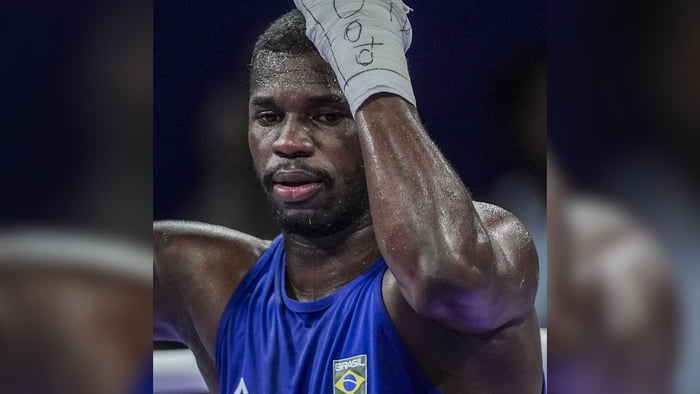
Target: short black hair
x,y
285,35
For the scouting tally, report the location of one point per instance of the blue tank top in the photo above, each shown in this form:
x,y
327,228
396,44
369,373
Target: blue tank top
x,y
344,343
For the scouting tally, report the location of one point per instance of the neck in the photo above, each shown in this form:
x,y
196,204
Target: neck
x,y
317,267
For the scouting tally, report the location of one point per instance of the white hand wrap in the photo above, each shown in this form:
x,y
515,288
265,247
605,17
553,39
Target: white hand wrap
x,y
364,41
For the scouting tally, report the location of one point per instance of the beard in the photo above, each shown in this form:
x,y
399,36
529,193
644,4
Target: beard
x,y
344,210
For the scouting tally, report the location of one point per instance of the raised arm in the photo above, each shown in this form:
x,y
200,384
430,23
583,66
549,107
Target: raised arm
x,y
471,268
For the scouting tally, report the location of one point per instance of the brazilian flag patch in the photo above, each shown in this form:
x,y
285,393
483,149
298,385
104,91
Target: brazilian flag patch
x,y
350,375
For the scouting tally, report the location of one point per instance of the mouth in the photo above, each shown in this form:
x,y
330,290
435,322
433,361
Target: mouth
x,y
296,185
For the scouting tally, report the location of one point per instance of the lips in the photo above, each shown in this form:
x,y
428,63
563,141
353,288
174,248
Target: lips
x,y
296,185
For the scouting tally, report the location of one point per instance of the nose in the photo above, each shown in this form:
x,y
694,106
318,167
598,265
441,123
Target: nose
x,y
294,139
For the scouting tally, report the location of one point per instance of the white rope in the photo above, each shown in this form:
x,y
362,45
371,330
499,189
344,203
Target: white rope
x,y
543,340
42,248
175,371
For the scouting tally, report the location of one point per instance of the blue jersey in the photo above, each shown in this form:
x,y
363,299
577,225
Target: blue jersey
x,y
344,343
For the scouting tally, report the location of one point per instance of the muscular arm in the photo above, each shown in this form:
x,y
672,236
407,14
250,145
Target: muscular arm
x,y
196,269
472,270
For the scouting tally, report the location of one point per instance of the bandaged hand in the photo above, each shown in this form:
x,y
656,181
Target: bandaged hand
x,y
365,42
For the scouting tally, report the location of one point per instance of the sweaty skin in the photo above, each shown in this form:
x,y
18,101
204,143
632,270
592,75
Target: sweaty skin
x,y
462,275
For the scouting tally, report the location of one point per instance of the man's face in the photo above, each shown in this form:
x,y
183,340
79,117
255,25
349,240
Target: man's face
x,y
305,145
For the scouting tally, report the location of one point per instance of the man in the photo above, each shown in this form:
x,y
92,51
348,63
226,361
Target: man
x,y
387,277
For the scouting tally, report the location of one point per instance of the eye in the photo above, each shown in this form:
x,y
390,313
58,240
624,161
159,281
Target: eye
x,y
329,118
268,118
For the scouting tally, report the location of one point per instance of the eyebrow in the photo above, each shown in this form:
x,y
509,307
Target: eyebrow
x,y
328,99
262,101
266,101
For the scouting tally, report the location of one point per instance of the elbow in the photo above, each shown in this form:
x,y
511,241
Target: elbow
x,y
474,298
487,284
461,311
464,299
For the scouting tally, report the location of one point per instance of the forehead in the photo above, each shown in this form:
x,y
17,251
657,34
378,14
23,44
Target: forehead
x,y
274,72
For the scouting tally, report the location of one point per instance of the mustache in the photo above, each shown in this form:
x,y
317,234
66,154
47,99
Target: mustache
x,y
322,174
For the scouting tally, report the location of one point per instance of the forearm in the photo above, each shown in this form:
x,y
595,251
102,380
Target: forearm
x,y
425,221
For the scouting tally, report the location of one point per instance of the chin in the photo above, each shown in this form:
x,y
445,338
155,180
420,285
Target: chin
x,y
309,225
321,222
317,224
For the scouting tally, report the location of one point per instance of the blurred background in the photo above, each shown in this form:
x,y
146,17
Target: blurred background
x,y
76,200
623,192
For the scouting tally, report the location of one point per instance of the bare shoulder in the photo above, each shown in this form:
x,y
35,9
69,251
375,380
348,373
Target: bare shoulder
x,y
197,266
183,245
193,251
169,230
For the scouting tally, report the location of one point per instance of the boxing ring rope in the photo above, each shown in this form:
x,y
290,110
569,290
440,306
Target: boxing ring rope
x,y
62,249
175,371
543,344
